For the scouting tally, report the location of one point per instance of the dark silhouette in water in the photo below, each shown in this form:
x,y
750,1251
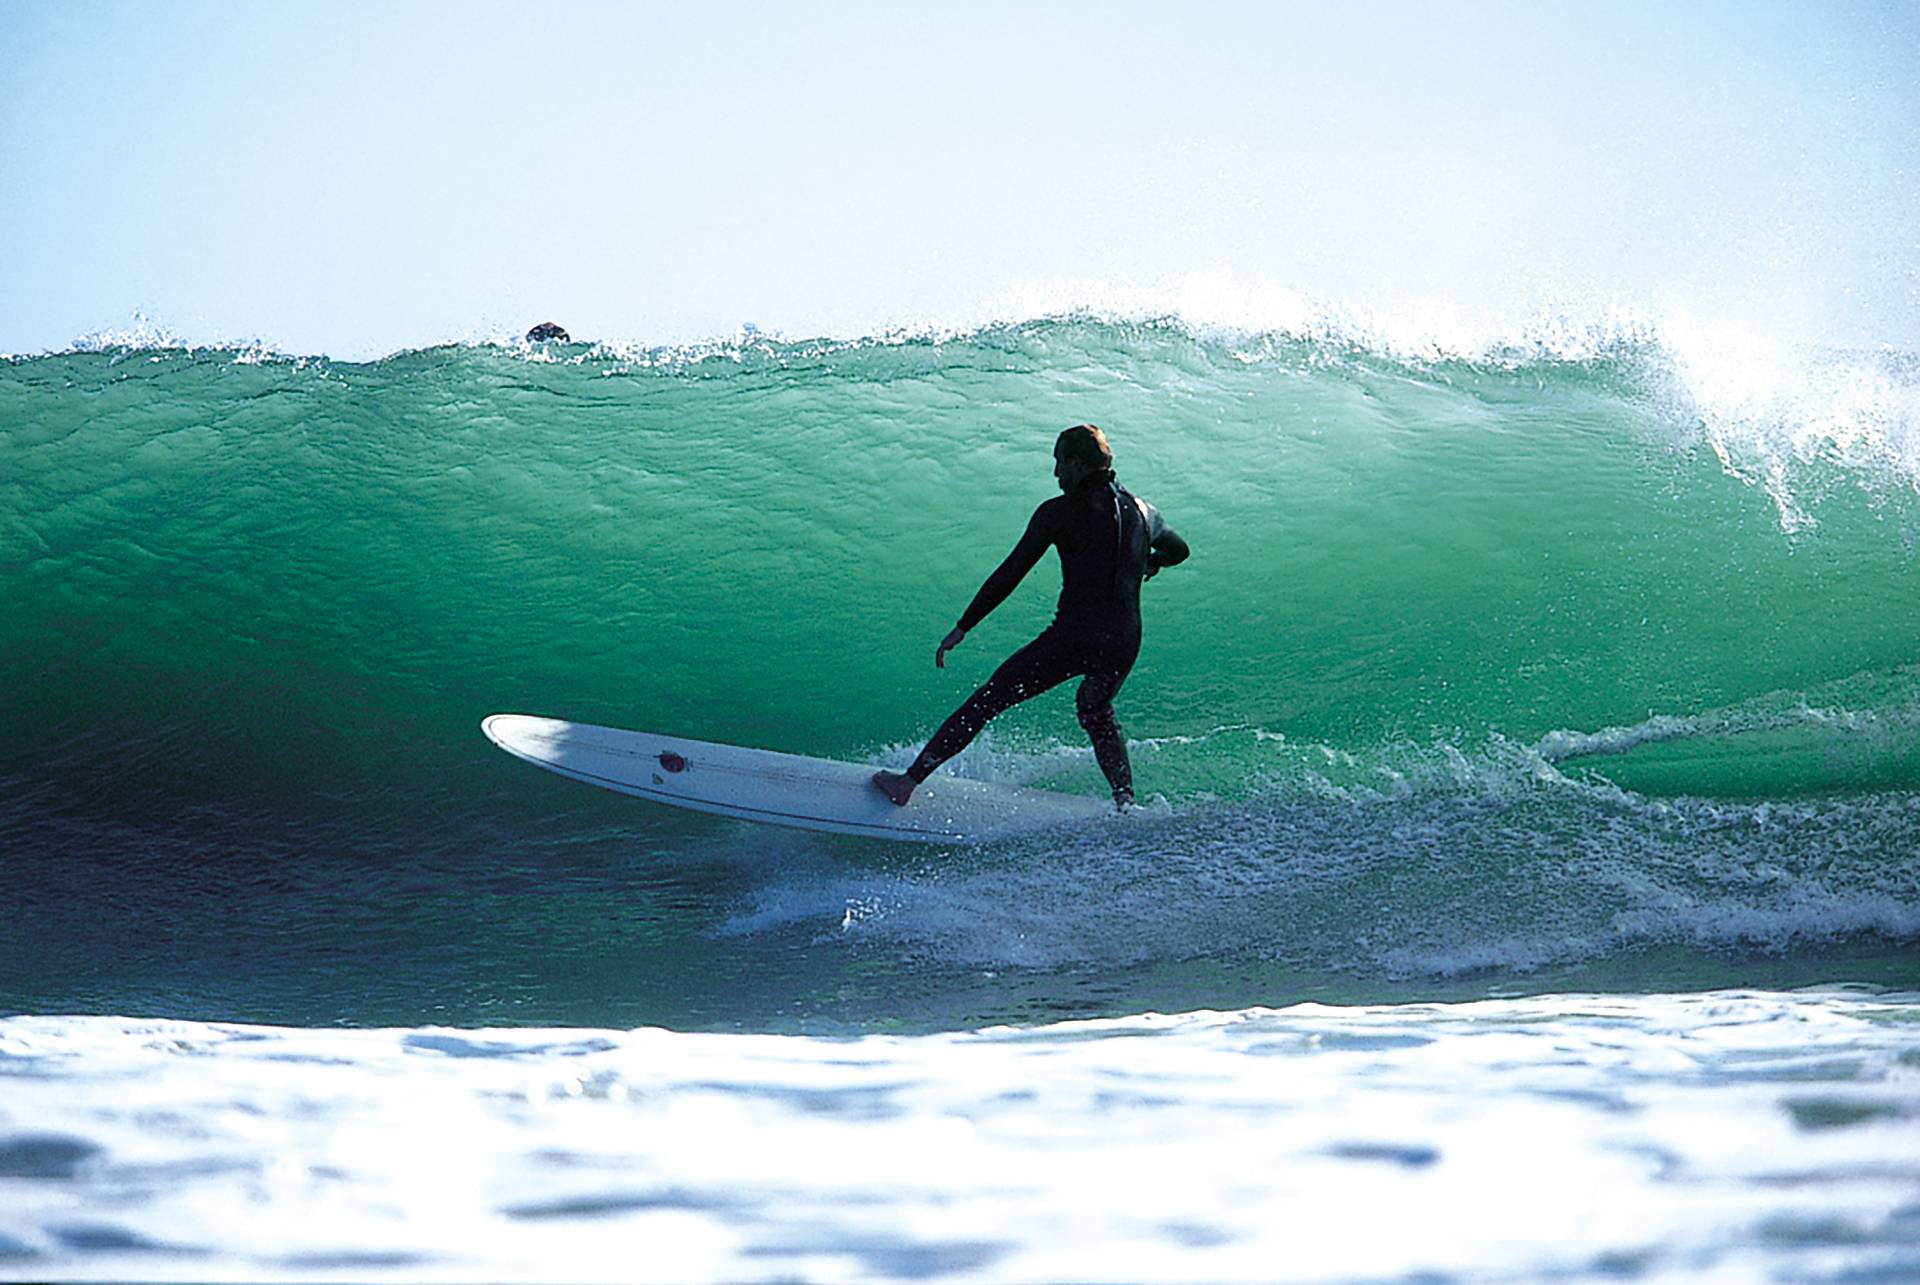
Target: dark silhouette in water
x,y
1109,542
547,330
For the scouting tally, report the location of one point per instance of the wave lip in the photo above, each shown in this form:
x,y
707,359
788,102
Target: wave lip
x,y
1773,411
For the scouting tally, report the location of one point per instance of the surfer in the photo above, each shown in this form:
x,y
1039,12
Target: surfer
x,y
1109,542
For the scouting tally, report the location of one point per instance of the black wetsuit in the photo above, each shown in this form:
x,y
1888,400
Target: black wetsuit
x,y
1108,541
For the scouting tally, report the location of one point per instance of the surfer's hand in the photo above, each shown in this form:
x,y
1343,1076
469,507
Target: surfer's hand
x,y
947,644
1153,568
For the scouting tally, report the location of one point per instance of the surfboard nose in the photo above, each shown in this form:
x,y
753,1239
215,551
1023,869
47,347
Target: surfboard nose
x,y
495,727
512,732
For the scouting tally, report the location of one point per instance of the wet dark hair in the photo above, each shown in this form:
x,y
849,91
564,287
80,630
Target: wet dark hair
x,y
1086,444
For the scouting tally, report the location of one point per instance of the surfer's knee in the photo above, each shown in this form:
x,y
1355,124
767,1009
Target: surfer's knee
x,y
1097,719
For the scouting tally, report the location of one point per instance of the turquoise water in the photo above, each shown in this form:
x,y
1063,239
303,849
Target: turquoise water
x,y
1530,755
1521,672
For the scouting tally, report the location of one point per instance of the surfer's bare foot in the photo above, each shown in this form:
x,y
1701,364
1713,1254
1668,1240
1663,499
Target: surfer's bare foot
x,y
897,786
1123,803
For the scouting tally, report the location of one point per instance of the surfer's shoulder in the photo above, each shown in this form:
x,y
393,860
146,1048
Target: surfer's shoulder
x,y
1049,516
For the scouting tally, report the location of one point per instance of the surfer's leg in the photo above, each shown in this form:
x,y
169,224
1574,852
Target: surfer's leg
x,y
1094,704
1036,667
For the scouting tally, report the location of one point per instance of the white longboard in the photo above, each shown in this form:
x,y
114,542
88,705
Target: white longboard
x,y
782,789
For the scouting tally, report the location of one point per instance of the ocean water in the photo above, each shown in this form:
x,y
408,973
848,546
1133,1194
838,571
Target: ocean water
x,y
1531,755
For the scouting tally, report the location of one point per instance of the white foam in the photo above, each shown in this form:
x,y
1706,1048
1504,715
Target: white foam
x,y
1509,1139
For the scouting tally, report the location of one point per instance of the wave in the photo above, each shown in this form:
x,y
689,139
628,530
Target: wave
x,y
1523,545
1521,662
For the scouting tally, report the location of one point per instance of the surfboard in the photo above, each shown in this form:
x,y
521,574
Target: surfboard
x,y
782,789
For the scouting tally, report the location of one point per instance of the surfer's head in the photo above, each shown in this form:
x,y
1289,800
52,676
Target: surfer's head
x,y
1079,453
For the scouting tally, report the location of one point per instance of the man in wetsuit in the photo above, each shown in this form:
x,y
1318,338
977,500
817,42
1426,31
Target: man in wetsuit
x,y
1109,543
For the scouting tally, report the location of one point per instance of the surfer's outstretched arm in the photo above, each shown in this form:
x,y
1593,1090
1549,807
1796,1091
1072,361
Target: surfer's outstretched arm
x,y
1007,576
965,722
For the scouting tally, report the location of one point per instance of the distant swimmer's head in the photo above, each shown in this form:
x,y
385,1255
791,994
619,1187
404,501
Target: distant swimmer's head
x,y
1080,453
549,330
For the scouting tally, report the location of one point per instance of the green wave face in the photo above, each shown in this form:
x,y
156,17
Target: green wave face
x,y
294,573
1476,669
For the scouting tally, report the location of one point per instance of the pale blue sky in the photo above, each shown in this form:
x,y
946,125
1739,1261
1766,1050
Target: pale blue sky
x,y
352,179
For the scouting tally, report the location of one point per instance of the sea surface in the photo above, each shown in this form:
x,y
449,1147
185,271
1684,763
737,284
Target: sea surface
x,y
1525,888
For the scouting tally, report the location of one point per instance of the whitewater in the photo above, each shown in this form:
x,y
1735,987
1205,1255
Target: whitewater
x,y
1525,882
